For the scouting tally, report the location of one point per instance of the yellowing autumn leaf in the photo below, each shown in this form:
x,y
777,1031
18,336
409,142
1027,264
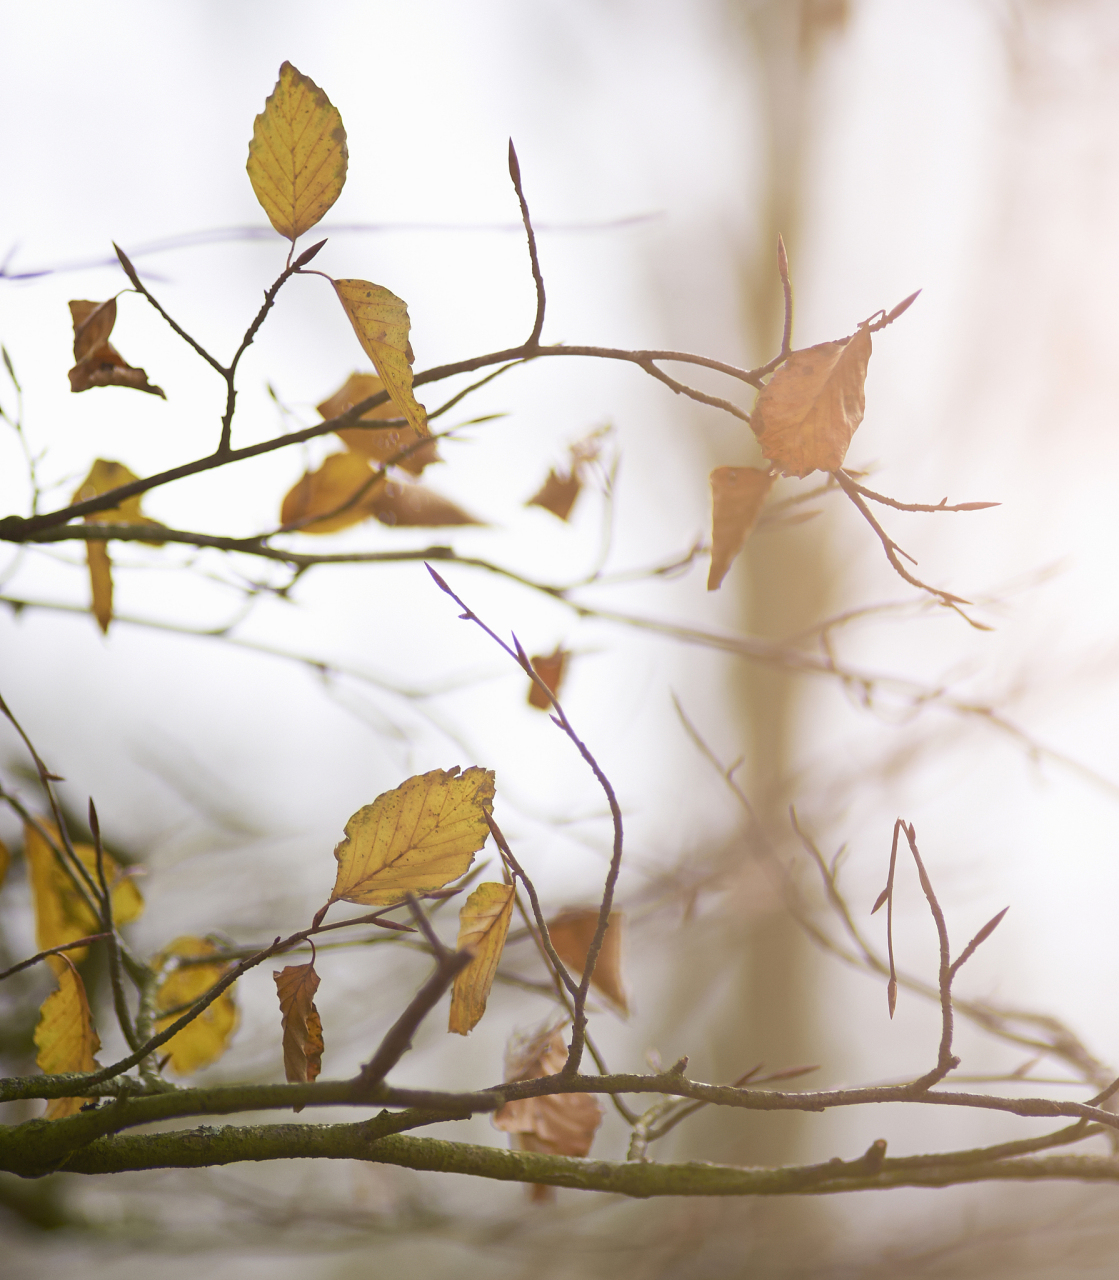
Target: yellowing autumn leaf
x,y
737,497
297,158
550,668
380,320
99,363
339,494
483,926
806,414
415,838
65,1037
572,932
206,1038
61,914
378,444
303,1043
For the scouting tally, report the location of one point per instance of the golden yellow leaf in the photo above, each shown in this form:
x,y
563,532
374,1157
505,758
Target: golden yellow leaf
x,y
550,668
99,363
297,158
737,496
100,583
206,1038
483,926
303,1043
65,1037
413,506
345,480
415,838
61,914
806,414
380,320
572,932
379,444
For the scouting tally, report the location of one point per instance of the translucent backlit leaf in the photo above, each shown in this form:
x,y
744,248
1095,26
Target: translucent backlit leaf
x,y
572,932
413,506
297,157
303,1043
378,444
551,668
483,926
65,1037
807,413
206,1038
99,363
380,320
737,497
415,838
339,494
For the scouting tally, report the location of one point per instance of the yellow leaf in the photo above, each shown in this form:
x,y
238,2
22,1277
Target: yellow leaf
x,y
379,444
303,1043
572,932
416,838
297,158
737,496
65,1037
61,914
100,583
483,925
380,320
206,1038
806,414
345,480
99,363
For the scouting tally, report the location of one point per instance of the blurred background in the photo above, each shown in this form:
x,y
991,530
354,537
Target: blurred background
x,y
963,147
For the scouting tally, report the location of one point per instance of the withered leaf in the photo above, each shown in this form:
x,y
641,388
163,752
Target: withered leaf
x,y
737,497
303,1043
99,363
551,668
5,862
61,913
561,488
415,838
206,1038
807,413
483,926
297,156
572,932
339,494
380,320
65,1036
412,506
379,444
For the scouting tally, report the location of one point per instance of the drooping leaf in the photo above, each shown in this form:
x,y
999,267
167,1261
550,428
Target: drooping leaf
x,y
206,1038
380,320
551,668
572,932
339,494
807,413
65,1036
412,506
99,363
561,488
5,862
61,914
415,838
483,926
303,1043
297,157
737,497
379,444
100,583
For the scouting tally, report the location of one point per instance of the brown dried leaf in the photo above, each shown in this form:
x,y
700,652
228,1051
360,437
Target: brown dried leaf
x,y
483,926
65,1036
411,505
206,1038
572,932
99,363
737,497
303,1043
551,668
563,1124
380,444
339,494
557,494
807,413
5,862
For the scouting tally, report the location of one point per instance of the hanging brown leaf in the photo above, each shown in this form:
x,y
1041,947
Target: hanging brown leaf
x,y
737,496
99,363
380,320
341,493
572,932
415,838
206,1038
807,413
483,926
303,1043
65,1036
412,506
559,491
61,911
297,157
550,668
5,862
379,444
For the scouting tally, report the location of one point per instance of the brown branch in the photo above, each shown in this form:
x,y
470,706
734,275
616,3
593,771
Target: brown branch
x,y
918,506
53,951
116,975
787,290
538,279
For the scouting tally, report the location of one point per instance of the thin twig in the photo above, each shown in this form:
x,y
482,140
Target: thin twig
x,y
53,951
116,976
538,279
